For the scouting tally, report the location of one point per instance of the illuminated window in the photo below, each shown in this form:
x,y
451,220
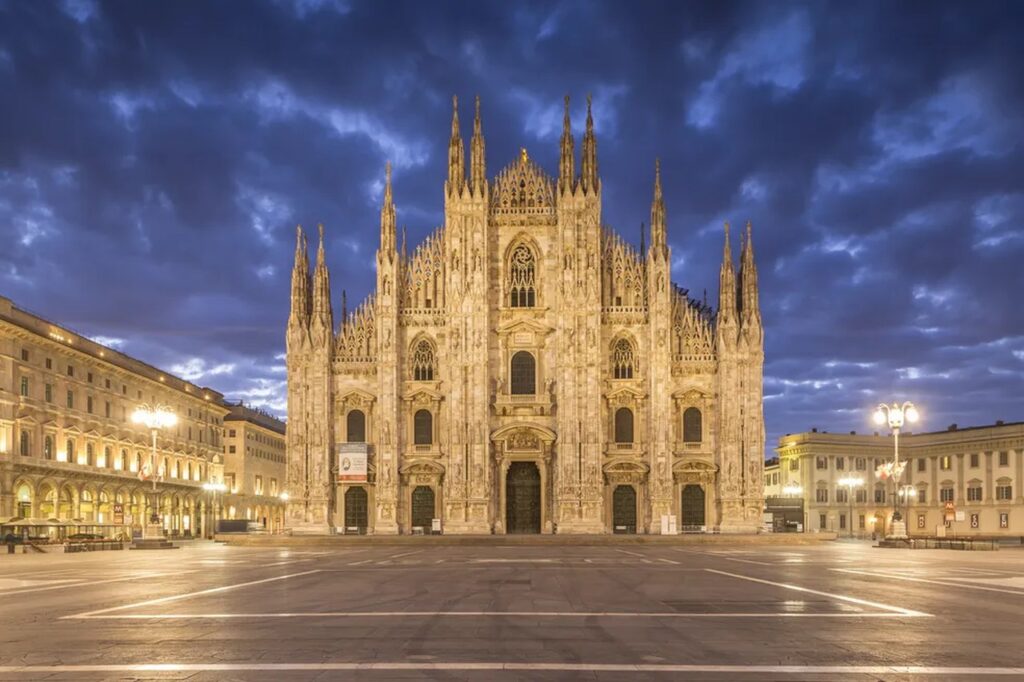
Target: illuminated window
x,y
522,278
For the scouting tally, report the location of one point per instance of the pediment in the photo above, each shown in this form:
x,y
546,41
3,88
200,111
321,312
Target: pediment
x,y
623,465
692,394
357,396
422,466
423,393
511,430
694,465
524,324
625,390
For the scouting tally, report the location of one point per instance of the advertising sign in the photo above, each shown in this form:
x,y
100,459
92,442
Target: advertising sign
x,y
352,462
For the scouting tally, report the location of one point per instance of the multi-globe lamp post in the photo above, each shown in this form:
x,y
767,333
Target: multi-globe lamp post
x,y
213,489
154,418
851,482
895,415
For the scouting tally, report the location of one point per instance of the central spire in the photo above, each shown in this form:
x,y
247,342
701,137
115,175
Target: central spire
x,y
726,285
478,169
588,174
659,240
387,217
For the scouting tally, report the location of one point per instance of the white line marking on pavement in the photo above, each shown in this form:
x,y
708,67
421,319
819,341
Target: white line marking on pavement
x,y
512,561
360,563
669,561
631,553
853,600
481,614
176,597
878,574
719,555
90,583
396,556
514,666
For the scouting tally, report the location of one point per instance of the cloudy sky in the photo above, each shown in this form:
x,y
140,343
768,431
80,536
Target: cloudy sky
x,y
155,158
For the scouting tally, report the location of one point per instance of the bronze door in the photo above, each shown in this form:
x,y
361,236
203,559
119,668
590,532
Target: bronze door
x,y
423,507
356,511
522,498
692,507
624,509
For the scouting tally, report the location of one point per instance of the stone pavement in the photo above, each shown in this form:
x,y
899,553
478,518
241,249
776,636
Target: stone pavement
x,y
839,610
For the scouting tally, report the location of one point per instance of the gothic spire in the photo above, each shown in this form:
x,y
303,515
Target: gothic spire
x,y
344,309
405,251
659,240
456,154
643,241
588,172
300,303
322,314
387,216
748,282
567,161
478,169
726,284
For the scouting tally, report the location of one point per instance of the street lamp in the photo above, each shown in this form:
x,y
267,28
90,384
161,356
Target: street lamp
x,y
154,418
895,415
851,482
213,489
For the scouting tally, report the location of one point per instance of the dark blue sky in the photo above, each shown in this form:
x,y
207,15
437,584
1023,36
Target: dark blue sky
x,y
155,158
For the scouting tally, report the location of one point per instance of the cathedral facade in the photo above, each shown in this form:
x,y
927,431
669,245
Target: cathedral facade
x,y
525,370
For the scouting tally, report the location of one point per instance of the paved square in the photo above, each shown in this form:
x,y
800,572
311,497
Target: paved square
x,y
424,611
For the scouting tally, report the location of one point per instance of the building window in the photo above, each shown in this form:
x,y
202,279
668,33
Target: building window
x,y
231,433
623,425
693,427
861,495
861,522
273,487
71,371
821,495
921,463
48,447
124,460
258,484
946,494
23,445
522,277
423,361
840,463
821,462
49,363
822,522
231,449
622,360
794,464
879,495
24,387
861,464
1004,492
423,427
71,399
89,454
88,404
974,460
69,451
922,494
24,354
974,493
108,457
842,520
48,390
842,495
1004,459
524,374
945,463
106,409
355,426
106,383
88,377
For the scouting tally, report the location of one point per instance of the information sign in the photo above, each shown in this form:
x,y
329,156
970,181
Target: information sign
x,y
352,462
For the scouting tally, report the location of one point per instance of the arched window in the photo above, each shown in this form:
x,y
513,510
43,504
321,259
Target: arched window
x,y
524,374
622,360
423,361
124,460
23,443
108,457
623,425
89,454
423,427
355,426
522,277
138,462
48,447
70,450
692,427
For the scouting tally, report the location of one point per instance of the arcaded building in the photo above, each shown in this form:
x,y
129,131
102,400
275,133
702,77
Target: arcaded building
x,y
525,370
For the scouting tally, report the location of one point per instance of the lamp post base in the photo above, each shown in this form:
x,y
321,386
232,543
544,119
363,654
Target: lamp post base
x,y
898,530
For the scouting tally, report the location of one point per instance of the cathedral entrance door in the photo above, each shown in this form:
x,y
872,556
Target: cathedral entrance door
x,y
692,508
356,510
522,498
624,509
423,507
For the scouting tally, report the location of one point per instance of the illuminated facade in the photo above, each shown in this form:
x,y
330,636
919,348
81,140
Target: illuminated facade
x,y
524,369
254,467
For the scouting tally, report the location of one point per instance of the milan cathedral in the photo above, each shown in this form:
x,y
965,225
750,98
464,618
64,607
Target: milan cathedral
x,y
525,370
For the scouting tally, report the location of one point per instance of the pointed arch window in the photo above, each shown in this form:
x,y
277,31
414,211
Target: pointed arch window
x,y
522,278
692,426
423,427
423,361
623,425
623,360
523,374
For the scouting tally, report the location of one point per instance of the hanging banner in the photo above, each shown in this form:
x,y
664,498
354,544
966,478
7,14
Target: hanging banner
x,y
352,462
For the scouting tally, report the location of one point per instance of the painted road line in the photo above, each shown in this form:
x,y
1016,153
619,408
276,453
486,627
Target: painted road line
x,y
654,615
90,583
360,563
397,556
631,553
669,561
417,666
178,597
853,600
878,574
512,561
718,555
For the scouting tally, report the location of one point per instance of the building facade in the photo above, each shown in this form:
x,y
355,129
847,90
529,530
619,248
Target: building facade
x,y
978,470
68,448
254,467
524,369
